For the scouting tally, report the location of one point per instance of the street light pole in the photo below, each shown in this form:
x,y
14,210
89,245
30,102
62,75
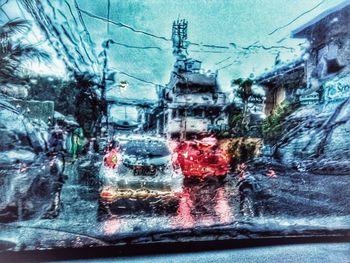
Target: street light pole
x,y
105,46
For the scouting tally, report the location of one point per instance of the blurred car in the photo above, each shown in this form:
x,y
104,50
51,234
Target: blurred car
x,y
30,179
201,158
138,175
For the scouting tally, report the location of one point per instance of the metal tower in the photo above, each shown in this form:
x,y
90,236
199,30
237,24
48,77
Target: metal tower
x,y
179,38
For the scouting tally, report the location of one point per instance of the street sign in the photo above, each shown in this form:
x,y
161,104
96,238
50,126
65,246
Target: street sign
x,y
337,89
309,99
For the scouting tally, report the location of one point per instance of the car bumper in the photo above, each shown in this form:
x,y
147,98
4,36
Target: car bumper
x,y
119,200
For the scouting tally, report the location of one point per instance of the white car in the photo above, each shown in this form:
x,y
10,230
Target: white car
x,y
143,177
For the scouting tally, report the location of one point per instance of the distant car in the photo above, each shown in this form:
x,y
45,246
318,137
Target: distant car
x,y
139,176
201,158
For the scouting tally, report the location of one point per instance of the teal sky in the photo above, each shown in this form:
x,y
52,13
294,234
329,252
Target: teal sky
x,y
214,22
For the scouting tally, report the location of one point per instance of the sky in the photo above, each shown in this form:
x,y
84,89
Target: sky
x,y
216,22
225,23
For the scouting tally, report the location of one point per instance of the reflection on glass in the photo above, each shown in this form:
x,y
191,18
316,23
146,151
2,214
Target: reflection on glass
x,y
136,118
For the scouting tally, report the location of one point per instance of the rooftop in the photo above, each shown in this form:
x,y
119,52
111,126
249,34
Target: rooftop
x,y
297,33
280,71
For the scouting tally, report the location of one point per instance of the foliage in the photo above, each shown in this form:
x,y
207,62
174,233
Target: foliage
x,y
77,96
244,88
272,126
89,106
239,119
236,124
65,102
72,97
242,150
62,92
13,51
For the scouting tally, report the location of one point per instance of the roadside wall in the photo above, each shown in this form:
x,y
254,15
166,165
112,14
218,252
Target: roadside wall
x,y
34,109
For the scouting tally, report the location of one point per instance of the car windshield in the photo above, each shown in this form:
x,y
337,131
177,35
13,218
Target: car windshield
x,y
146,148
128,122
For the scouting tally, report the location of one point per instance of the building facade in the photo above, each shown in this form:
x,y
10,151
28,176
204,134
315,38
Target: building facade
x,y
327,67
193,101
323,77
282,84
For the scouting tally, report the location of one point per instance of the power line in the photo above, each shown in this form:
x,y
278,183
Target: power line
x,y
267,47
119,24
302,14
44,25
4,3
221,61
71,12
208,45
2,10
82,22
210,51
137,78
136,47
85,30
122,25
80,37
226,66
68,32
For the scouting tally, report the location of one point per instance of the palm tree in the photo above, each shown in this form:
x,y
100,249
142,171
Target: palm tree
x,y
13,51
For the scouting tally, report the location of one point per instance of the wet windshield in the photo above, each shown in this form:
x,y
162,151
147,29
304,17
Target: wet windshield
x,y
155,121
146,148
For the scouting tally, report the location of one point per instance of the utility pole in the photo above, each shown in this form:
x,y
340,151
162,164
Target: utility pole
x,y
103,84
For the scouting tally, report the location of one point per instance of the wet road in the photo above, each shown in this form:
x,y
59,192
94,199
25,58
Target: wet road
x,y
206,203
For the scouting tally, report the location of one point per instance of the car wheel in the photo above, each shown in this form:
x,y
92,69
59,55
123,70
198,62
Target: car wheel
x,y
102,211
247,202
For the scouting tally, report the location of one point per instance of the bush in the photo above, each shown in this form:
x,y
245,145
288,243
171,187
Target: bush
x,y
272,126
236,125
242,150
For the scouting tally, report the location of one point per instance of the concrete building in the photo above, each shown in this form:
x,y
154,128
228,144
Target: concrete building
x,y
327,67
282,84
193,102
126,125
324,75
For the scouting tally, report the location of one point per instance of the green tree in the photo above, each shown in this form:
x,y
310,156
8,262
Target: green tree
x,y
13,51
90,109
245,93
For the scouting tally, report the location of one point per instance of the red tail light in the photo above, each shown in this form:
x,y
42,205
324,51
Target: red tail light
x,y
106,194
111,159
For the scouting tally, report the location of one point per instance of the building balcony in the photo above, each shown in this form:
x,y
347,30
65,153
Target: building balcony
x,y
191,124
205,99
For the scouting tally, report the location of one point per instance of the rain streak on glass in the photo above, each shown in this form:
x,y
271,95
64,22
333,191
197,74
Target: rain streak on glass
x,y
172,121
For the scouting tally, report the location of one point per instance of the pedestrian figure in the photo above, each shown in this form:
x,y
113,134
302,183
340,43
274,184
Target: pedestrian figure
x,y
77,142
56,141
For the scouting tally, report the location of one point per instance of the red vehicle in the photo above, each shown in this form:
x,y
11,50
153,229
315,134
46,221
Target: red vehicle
x,y
201,158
